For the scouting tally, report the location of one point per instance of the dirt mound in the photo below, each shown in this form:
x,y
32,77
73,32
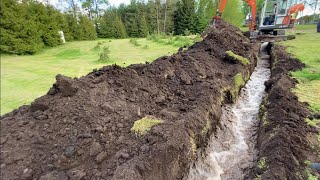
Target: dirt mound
x,y
84,128
284,136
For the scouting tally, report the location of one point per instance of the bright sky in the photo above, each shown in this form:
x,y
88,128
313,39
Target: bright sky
x,y
118,2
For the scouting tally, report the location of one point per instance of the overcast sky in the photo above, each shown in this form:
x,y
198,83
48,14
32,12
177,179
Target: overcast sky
x,y
118,2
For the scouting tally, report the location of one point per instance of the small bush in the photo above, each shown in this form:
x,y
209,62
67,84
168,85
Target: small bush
x,y
187,32
134,42
104,55
98,46
146,47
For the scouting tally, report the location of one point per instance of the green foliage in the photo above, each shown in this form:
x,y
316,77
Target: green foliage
x,y
185,17
233,13
104,55
111,26
313,123
143,26
178,41
19,31
28,26
134,42
144,125
88,32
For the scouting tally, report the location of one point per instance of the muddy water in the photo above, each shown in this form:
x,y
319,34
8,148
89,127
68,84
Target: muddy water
x,y
231,149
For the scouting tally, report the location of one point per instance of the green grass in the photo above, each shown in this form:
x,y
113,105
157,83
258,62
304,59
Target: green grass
x,y
24,78
313,123
144,125
239,58
306,47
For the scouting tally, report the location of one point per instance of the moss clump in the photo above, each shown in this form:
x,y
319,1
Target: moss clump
x,y
239,58
193,146
262,163
144,125
206,128
239,80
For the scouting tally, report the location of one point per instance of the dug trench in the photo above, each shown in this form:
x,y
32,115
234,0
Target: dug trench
x,y
100,126
145,121
288,137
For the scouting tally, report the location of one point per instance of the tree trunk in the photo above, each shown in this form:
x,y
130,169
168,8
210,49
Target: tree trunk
x,y
158,20
165,16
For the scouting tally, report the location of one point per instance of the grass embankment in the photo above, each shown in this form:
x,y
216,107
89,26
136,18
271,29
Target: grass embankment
x,y
24,78
306,47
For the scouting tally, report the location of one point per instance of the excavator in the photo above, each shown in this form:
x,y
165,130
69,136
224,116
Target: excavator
x,y
276,16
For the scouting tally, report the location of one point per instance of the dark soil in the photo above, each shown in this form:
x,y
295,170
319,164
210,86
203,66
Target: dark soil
x,y
81,128
285,141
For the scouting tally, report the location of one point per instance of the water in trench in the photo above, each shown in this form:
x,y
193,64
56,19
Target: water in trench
x,y
231,150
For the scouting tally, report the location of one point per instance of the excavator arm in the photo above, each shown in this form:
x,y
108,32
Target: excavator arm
x,y
253,5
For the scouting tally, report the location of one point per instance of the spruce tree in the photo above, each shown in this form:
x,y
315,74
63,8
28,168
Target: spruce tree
x,y
185,16
88,31
106,29
119,29
19,32
143,26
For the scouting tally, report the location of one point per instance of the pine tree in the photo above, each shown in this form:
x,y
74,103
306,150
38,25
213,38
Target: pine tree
x,y
74,27
88,31
143,26
19,32
106,29
119,29
185,16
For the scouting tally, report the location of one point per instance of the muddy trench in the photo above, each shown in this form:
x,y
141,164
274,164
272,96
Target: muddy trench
x,y
231,150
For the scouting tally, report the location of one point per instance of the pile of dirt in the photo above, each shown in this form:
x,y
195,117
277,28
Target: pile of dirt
x,y
285,140
82,128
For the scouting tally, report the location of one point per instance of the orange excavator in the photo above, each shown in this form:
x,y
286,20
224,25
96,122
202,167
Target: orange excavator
x,y
276,15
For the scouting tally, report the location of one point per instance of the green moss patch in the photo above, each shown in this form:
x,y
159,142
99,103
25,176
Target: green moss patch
x,y
239,58
144,125
262,163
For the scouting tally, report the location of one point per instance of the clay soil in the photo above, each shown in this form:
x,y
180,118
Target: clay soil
x,y
285,141
82,128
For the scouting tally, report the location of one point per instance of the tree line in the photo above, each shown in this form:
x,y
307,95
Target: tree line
x,y
140,18
28,26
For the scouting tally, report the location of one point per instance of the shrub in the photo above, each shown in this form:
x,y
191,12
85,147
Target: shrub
x,y
134,42
186,32
104,55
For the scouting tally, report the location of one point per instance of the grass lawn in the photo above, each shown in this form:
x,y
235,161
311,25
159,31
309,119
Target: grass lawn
x,y
306,47
24,78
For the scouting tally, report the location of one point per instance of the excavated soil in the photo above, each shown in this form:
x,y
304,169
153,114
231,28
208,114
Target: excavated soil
x,y
285,141
82,128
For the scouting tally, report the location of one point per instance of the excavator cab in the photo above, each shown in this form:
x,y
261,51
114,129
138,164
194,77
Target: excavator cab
x,y
275,17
